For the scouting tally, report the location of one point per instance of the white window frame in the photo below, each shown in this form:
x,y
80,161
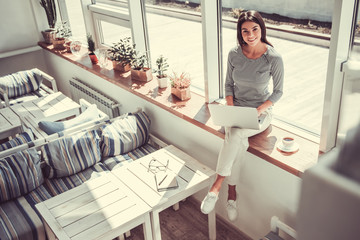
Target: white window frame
x,y
338,54
212,49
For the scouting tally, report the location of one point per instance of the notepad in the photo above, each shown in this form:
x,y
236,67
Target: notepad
x,y
165,180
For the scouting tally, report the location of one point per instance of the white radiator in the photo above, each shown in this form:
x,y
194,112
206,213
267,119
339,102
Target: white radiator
x,y
80,89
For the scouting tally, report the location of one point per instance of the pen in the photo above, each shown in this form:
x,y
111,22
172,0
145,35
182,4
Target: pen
x,y
162,180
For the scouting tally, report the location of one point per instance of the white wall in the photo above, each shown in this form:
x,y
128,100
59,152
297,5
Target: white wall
x,y
265,190
22,62
306,9
17,13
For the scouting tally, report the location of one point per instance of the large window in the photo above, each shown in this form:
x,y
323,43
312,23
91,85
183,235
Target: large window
x,y
183,31
176,33
305,62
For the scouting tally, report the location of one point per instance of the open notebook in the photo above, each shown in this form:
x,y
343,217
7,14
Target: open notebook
x,y
235,116
165,180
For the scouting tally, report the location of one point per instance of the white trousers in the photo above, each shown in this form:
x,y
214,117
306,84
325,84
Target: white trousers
x,y
233,150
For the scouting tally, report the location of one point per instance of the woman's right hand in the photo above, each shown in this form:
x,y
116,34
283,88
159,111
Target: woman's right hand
x,y
229,100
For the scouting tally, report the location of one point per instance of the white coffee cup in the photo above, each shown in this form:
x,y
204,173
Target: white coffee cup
x,y
288,142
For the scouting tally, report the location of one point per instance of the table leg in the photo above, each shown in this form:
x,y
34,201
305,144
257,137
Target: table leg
x,y
212,225
155,225
147,228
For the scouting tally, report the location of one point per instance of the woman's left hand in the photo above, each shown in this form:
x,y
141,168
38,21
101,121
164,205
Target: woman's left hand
x,y
262,108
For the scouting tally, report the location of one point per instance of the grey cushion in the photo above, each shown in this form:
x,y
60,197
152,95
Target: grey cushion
x,y
69,155
125,134
20,173
20,83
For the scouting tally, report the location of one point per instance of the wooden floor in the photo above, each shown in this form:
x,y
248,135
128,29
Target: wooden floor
x,y
188,223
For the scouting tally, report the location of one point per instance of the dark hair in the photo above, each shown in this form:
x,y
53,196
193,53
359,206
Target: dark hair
x,y
252,16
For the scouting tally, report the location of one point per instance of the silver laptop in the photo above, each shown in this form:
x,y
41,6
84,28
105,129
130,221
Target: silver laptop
x,y
234,116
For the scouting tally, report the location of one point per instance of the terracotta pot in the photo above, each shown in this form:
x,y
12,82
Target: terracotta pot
x,y
93,58
67,46
141,75
119,67
49,35
58,43
162,82
181,93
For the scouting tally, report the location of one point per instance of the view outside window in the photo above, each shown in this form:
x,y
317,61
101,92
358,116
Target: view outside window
x,y
178,37
76,20
305,65
111,33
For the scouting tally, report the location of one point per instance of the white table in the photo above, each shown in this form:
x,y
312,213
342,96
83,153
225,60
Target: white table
x,y
102,208
10,123
192,177
53,107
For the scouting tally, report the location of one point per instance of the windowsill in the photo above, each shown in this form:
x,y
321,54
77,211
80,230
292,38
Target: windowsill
x,y
196,112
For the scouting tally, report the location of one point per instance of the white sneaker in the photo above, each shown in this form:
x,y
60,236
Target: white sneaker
x,y
231,210
208,203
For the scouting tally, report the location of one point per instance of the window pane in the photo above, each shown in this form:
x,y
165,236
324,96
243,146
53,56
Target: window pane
x,y
178,37
305,63
112,33
76,20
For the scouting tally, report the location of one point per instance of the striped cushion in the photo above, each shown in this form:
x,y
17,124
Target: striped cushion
x,y
19,219
70,155
118,161
20,173
20,83
22,138
125,134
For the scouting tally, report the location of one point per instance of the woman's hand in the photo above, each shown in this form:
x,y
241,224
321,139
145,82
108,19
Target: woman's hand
x,y
262,108
229,100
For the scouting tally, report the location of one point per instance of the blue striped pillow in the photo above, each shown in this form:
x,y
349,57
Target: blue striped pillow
x,y
69,155
20,83
125,134
22,138
20,173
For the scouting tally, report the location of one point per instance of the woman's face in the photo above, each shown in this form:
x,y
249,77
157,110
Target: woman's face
x,y
251,33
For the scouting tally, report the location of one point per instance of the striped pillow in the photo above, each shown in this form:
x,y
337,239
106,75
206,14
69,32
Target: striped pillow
x,y
20,83
125,134
20,173
69,155
22,138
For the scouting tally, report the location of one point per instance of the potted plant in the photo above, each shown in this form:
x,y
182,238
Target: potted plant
x,y
180,85
162,67
91,48
50,10
63,32
140,70
122,54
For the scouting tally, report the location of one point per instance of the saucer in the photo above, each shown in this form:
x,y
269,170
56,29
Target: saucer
x,y
294,148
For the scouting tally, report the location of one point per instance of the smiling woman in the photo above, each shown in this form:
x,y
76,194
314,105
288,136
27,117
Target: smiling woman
x,y
245,87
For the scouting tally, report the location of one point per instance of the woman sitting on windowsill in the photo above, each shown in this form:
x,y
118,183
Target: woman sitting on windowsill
x,y
250,67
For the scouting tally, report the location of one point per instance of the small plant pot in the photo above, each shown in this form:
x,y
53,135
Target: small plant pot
x,y
93,58
119,67
162,82
49,35
181,93
141,75
58,43
67,46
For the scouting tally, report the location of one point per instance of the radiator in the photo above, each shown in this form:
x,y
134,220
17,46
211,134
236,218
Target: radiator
x,y
80,89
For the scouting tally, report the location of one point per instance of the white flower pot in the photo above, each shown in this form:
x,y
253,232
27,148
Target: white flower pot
x,y
162,82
